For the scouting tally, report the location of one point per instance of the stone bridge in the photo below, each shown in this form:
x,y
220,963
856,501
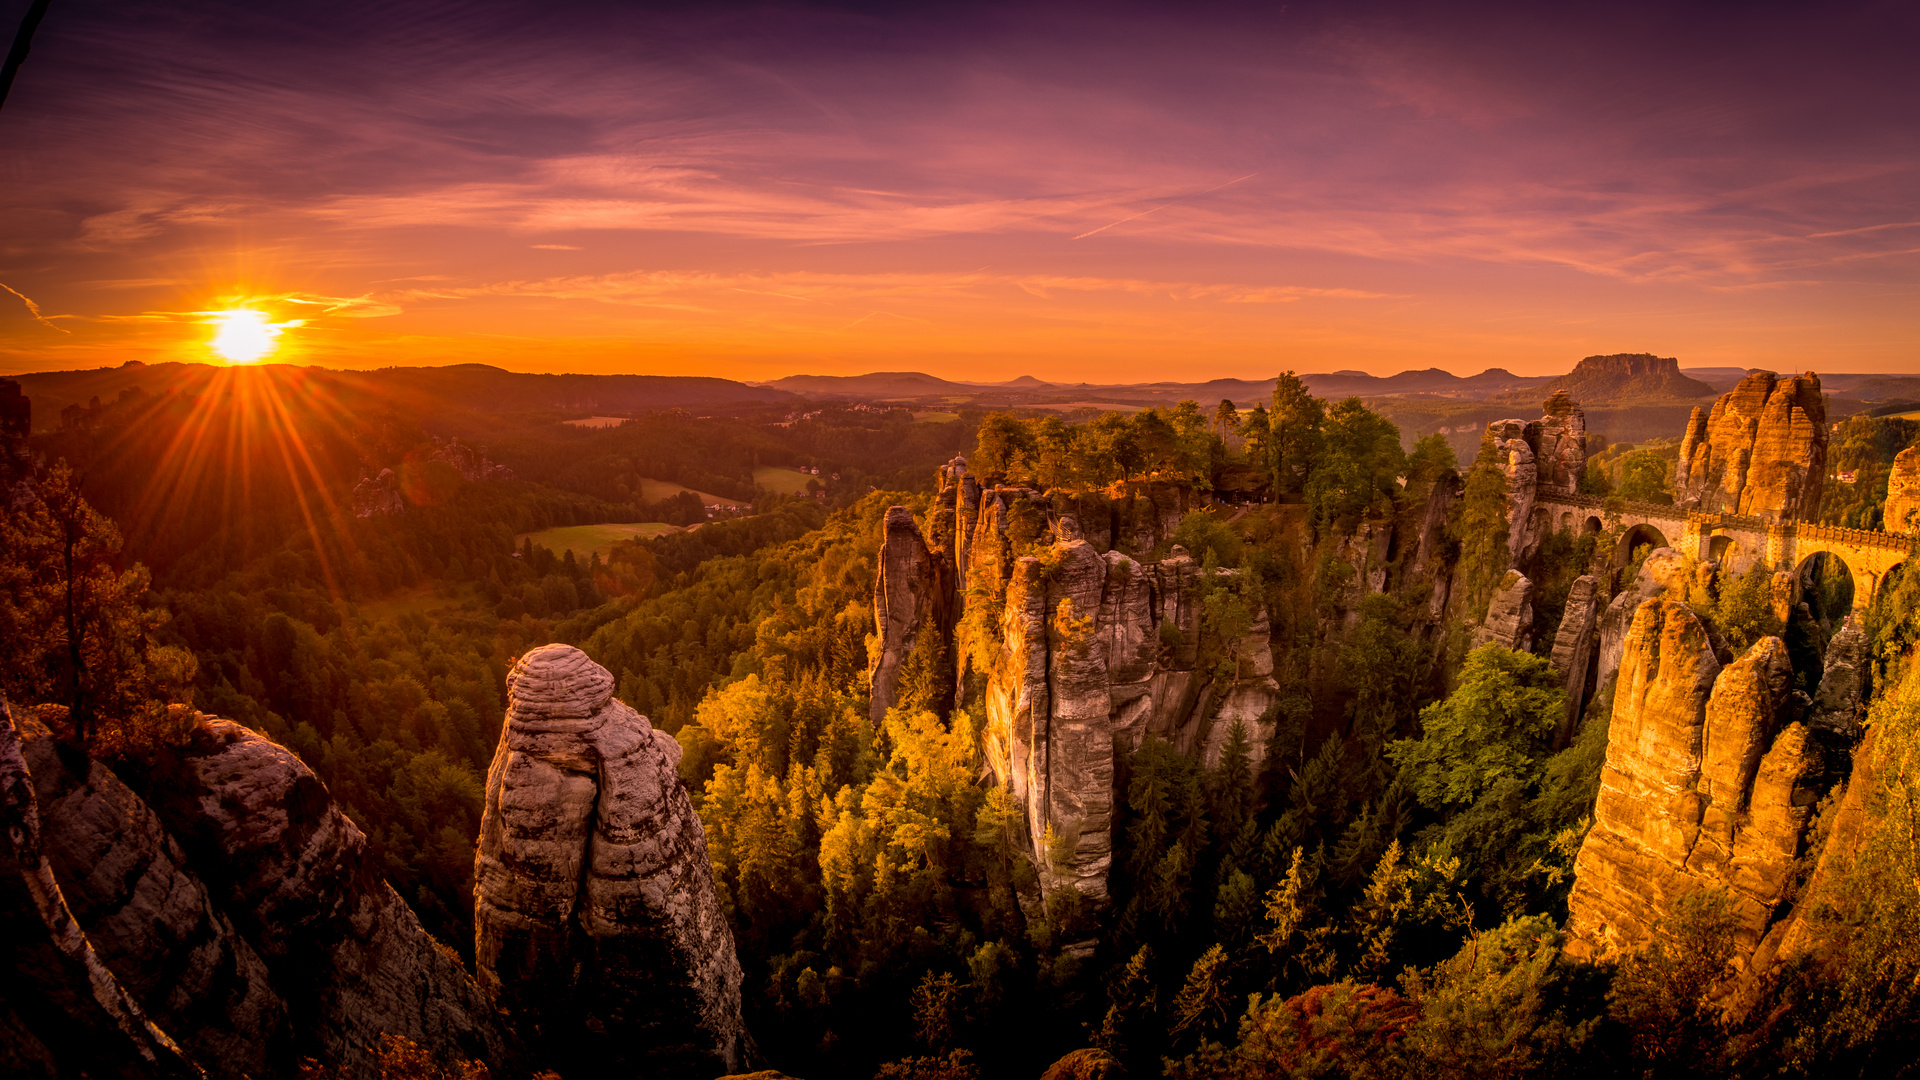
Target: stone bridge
x,y
1737,542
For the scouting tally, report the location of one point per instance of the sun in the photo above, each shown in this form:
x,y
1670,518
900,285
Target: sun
x,y
243,336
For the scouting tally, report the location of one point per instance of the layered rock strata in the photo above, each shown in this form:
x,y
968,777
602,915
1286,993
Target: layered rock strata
x,y
1708,784
913,603
1761,451
598,933
300,882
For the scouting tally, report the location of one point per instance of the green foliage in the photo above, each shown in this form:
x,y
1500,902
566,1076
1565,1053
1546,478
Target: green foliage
x,y
1508,1005
1357,470
1494,726
1663,994
1862,450
1294,444
76,628
1479,526
1208,537
1646,476
1743,608
1336,1030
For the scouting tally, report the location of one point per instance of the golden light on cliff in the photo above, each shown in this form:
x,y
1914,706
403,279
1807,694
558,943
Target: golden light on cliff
x,y
245,336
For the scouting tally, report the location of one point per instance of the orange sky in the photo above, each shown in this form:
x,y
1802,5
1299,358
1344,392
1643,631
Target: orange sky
x,y
1075,193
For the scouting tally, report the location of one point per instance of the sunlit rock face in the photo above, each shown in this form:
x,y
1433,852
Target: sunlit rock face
x,y
1902,513
598,932
1708,784
1761,451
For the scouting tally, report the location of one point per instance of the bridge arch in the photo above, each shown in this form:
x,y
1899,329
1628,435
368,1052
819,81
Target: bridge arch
x,y
1594,524
1634,537
1825,583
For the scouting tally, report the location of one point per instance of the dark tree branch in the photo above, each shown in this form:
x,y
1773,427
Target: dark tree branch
x,y
22,42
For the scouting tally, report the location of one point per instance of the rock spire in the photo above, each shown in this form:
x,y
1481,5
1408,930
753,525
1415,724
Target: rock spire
x,y
598,932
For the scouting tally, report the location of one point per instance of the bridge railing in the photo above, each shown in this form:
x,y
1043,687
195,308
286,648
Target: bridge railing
x,y
1811,530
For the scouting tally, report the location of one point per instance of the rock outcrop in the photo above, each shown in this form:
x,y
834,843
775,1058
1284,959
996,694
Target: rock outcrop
x,y
1708,784
598,933
1097,652
913,598
1902,512
1761,451
378,496
300,882
1575,650
150,920
62,1010
226,917
1509,621
1541,457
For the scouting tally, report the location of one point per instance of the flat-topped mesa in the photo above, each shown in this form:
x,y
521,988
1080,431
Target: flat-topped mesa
x,y
1708,784
1761,452
1542,458
598,932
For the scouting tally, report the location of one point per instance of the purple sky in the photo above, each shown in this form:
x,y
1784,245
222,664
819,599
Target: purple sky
x,y
1079,192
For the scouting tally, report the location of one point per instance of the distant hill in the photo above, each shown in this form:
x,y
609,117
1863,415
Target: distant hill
x,y
474,387
878,384
1428,381
1618,379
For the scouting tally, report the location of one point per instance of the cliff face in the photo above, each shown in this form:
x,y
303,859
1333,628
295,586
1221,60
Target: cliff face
x,y
231,904
1708,783
598,933
1094,649
1761,451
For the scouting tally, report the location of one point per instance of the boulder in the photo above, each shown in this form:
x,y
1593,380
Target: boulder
x,y
598,932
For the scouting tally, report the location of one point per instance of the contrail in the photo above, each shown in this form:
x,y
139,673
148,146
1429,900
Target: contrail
x,y
1163,206
33,308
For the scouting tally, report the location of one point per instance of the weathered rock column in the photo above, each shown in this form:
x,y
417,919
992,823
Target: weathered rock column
x,y
597,928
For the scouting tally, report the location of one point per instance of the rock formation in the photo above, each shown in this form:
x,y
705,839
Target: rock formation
x,y
1902,513
1541,457
1624,378
378,496
598,932
228,902
1575,650
1509,621
1707,785
62,1011
150,919
300,882
1094,649
1096,652
1761,452
1658,570
913,597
